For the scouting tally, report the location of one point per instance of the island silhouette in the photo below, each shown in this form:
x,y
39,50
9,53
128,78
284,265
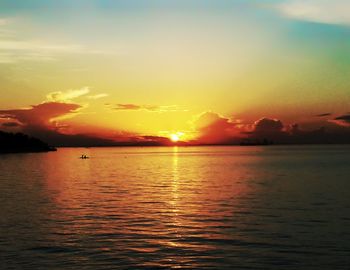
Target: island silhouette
x,y
21,143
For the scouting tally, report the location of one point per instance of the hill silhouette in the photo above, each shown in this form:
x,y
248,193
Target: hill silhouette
x,y
21,143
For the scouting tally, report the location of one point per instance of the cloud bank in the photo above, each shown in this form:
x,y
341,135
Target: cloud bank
x,y
46,121
43,121
215,129
320,11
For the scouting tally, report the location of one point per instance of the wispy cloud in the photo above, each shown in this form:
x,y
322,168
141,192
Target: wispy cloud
x,y
122,107
12,57
321,11
66,96
15,49
12,51
98,96
35,45
150,108
5,21
323,114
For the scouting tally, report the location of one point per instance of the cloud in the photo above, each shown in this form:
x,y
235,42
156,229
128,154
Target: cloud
x,y
98,96
41,121
44,122
267,130
321,11
152,140
216,129
5,21
122,107
41,115
274,130
13,57
343,120
10,124
32,45
150,108
64,96
12,51
267,125
13,48
323,114
345,117
213,128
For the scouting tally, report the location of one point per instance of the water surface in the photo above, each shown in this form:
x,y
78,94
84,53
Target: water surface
x,y
280,207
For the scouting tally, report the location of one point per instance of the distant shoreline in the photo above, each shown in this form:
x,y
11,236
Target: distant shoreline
x,y
54,149
13,143
25,151
202,145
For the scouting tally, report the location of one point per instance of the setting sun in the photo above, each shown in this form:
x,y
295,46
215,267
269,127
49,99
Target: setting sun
x,y
174,137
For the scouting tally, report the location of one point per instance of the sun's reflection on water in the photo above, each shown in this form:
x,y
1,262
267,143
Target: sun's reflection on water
x,y
172,200
175,221
175,178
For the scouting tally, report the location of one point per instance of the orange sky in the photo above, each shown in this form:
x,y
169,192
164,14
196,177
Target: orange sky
x,y
206,72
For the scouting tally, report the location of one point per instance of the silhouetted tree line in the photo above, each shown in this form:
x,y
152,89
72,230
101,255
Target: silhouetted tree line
x,y
256,142
21,143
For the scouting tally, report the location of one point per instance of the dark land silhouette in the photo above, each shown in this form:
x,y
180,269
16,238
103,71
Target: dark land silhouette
x,y
21,143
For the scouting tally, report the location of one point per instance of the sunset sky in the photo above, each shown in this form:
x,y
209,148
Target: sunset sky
x,y
206,71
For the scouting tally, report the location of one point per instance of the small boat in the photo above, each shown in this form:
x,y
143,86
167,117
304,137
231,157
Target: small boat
x,y
83,157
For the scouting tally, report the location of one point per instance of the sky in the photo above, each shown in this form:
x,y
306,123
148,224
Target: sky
x,y
154,72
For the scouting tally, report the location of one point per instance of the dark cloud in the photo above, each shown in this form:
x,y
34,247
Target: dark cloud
x,y
10,124
323,114
343,119
153,140
267,125
40,115
41,121
275,131
267,130
216,129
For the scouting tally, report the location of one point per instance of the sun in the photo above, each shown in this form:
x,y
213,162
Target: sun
x,y
174,137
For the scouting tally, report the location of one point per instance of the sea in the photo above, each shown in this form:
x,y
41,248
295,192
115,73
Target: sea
x,y
218,207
